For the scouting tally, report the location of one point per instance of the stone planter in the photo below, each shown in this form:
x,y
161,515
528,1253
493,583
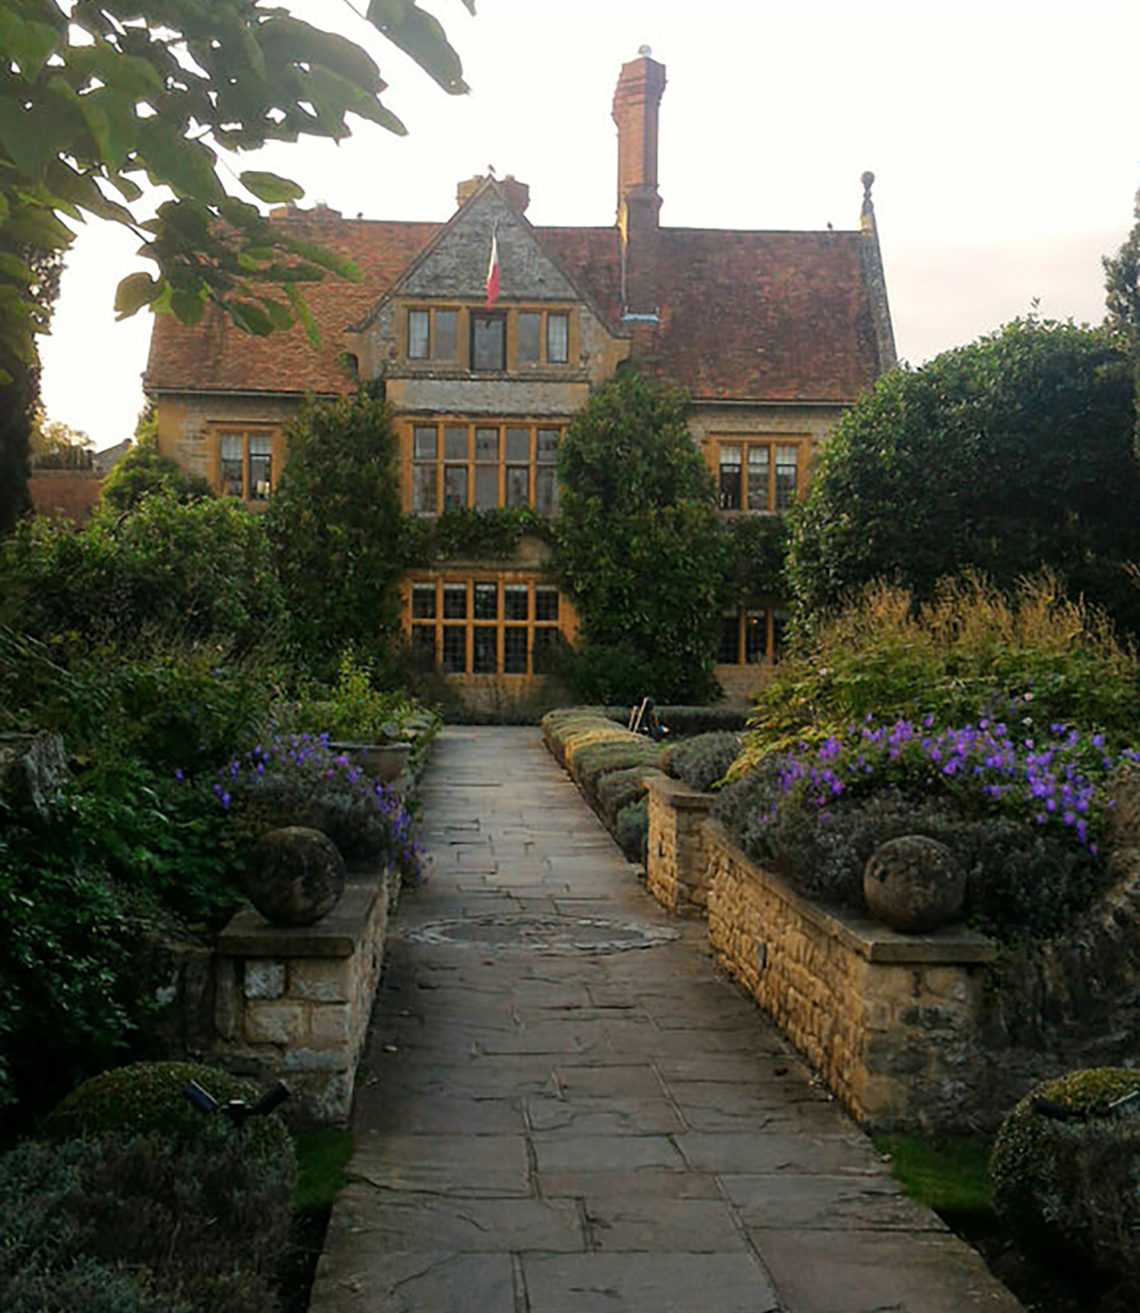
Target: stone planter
x,y
386,761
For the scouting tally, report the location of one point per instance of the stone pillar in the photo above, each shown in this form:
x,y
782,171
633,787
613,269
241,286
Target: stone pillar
x,y
293,1002
676,871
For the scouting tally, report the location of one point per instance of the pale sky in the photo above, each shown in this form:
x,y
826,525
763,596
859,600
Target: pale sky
x,y
1004,136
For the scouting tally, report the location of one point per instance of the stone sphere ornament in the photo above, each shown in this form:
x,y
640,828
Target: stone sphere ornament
x,y
913,884
295,876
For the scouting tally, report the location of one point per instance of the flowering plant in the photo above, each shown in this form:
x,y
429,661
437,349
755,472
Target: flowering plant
x,y
1023,809
297,779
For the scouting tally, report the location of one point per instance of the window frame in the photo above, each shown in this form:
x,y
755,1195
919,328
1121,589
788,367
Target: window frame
x,y
265,436
430,490
540,615
736,494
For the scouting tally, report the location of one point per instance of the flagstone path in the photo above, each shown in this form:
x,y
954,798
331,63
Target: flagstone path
x,y
565,1108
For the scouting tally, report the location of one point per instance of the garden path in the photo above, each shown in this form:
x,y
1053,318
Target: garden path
x,y
565,1108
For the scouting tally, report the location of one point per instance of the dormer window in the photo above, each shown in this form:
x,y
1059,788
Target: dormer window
x,y
491,342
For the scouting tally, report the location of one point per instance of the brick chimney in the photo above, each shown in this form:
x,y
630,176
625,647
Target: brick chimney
x,y
637,101
517,193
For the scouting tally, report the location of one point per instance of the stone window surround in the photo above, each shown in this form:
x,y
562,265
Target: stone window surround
x,y
245,432
760,627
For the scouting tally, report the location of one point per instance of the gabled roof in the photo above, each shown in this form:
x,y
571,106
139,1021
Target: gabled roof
x,y
751,315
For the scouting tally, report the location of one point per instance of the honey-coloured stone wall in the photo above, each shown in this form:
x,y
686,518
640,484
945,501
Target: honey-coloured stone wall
x,y
293,1003
676,870
890,1021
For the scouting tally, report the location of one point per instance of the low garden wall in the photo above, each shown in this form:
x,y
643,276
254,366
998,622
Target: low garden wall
x,y
292,1003
939,1032
888,1020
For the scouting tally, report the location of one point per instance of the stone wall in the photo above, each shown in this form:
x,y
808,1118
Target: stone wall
x,y
888,1020
293,1003
676,872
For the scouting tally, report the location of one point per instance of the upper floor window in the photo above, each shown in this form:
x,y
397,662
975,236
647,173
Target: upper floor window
x,y
489,341
758,476
482,466
246,464
544,337
432,334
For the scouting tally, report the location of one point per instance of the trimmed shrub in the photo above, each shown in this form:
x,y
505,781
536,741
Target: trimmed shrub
x,y
704,761
149,1099
631,830
1066,1189
589,763
620,789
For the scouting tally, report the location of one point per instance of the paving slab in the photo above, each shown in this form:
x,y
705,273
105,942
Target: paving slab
x,y
563,1107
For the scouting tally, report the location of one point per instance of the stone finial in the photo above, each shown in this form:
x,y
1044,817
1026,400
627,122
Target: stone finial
x,y
868,181
645,51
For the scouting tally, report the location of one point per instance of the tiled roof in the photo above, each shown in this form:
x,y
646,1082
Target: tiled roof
x,y
750,315
217,357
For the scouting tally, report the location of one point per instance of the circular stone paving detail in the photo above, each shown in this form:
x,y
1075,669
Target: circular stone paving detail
x,y
540,934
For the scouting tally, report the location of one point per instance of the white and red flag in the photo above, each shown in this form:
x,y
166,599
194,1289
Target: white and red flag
x,y
493,269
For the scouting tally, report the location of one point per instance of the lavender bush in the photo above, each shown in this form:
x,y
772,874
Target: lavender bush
x,y
296,779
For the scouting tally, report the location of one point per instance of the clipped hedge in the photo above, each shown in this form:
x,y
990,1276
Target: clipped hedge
x,y
704,761
610,765
1066,1186
685,722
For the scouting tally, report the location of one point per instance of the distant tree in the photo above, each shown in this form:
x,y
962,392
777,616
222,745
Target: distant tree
x,y
56,445
143,470
1122,288
20,368
639,548
1000,457
335,524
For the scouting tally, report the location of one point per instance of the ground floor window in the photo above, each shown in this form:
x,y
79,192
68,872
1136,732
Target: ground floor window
x,y
752,636
493,625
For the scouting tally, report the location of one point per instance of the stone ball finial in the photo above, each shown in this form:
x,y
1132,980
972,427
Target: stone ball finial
x,y
646,51
913,884
868,181
295,876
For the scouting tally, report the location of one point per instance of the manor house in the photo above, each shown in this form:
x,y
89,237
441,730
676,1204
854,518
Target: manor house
x,y
772,334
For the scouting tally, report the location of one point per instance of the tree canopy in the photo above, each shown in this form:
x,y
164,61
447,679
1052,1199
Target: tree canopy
x,y
336,528
639,547
1003,456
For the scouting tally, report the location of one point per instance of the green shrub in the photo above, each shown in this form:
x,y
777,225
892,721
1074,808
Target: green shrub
x,y
149,1099
621,788
968,650
631,830
590,762
704,761
1066,1189
198,1225
200,572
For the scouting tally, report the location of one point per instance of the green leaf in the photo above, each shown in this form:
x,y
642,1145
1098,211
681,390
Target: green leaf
x,y
29,140
185,166
28,43
250,318
271,187
133,292
11,266
304,315
420,35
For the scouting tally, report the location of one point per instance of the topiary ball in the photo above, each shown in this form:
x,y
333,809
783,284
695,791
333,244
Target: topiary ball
x,y
913,884
149,1099
1067,1189
295,876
